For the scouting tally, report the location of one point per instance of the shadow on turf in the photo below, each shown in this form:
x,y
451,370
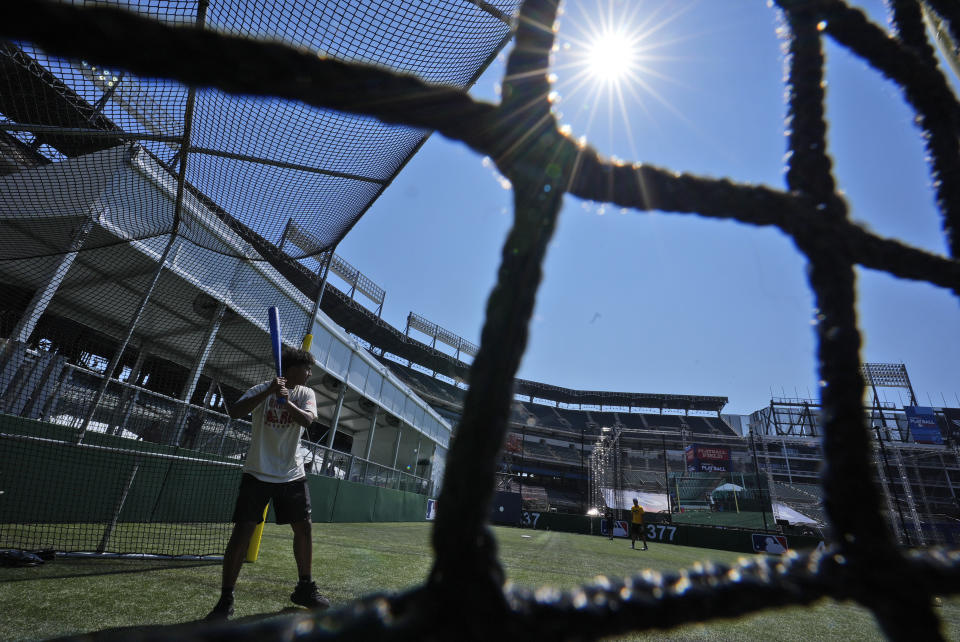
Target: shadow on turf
x,y
184,630
60,569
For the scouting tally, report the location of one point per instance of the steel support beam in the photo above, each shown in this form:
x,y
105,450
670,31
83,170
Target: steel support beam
x,y
42,297
396,447
108,373
336,416
312,319
86,133
283,165
14,352
129,396
198,367
373,428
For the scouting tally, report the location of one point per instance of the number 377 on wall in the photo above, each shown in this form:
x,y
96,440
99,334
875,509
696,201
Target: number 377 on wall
x,y
661,532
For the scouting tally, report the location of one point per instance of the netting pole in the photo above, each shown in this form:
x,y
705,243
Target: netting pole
x,y
308,331
373,427
396,447
756,472
335,420
108,373
223,435
14,352
191,385
50,408
666,477
129,396
108,531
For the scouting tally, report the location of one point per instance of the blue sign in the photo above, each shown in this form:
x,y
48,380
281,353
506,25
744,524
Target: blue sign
x,y
923,425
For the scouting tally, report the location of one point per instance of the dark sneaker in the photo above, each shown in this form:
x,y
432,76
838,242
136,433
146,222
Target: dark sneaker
x,y
306,594
222,610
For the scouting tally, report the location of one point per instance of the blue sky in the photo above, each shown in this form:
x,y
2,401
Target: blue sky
x,y
669,303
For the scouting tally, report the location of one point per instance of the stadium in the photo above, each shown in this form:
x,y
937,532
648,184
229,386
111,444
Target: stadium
x,y
146,227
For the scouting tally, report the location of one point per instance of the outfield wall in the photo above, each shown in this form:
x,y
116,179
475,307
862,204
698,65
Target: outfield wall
x,y
661,530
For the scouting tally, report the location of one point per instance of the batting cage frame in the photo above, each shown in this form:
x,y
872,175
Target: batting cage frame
x,y
465,593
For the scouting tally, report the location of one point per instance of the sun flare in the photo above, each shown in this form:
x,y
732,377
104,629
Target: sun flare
x,y
611,56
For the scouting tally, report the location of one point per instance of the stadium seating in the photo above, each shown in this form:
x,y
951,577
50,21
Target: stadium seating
x,y
604,419
664,422
568,455
535,498
547,417
700,426
520,415
449,415
720,426
632,421
811,492
579,421
425,383
534,450
565,501
647,480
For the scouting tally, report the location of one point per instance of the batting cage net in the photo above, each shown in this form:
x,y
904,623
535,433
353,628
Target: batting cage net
x,y
146,227
205,168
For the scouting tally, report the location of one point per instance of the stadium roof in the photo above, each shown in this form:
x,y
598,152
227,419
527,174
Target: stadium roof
x,y
632,399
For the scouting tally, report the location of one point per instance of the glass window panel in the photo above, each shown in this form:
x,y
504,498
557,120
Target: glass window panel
x,y
358,374
339,358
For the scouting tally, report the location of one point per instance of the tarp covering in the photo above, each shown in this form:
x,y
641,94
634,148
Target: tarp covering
x,y
782,511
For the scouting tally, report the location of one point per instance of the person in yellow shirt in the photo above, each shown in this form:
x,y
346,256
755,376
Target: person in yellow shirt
x,y
636,525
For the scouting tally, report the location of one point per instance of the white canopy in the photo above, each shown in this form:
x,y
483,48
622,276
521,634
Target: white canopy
x,y
726,488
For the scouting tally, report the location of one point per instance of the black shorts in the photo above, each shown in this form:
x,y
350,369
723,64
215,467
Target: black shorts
x,y
636,530
291,500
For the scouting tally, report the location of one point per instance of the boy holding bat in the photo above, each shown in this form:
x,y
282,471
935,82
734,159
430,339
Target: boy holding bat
x,y
282,408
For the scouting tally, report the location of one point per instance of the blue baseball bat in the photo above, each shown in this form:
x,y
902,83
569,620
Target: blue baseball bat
x,y
274,316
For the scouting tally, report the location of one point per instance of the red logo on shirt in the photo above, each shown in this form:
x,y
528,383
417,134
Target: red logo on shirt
x,y
282,417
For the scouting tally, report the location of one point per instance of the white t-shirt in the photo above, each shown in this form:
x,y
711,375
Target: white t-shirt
x,y
273,455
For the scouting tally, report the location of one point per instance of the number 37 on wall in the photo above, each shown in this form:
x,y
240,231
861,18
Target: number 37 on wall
x,y
529,519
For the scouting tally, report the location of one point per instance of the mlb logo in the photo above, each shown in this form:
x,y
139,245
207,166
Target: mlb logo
x,y
431,509
619,528
774,544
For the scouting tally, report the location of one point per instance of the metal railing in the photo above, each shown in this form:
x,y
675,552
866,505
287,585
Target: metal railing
x,y
135,412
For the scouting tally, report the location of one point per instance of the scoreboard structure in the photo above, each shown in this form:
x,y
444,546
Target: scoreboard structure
x,y
708,459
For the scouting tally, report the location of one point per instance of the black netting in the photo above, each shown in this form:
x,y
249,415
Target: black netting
x,y
261,160
198,169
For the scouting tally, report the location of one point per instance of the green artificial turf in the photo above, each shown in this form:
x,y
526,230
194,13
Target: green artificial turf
x,y
71,596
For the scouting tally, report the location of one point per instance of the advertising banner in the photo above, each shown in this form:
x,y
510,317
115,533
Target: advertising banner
x,y
711,459
923,425
952,415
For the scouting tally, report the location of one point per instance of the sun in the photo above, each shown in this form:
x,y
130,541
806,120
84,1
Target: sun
x,y
611,56
611,66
